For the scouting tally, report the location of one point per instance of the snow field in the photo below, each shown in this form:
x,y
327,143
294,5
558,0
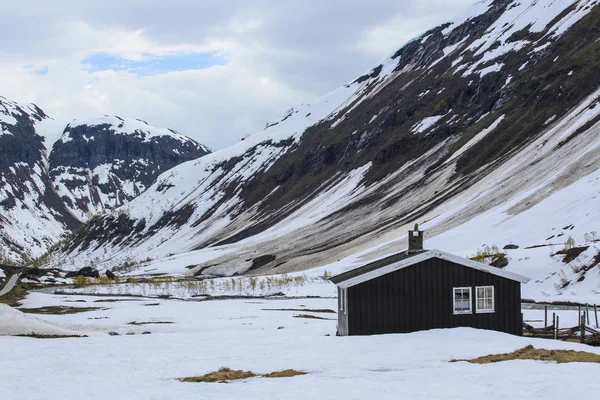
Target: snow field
x,y
241,334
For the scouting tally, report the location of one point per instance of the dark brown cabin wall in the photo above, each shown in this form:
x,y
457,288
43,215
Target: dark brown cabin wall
x,y
419,297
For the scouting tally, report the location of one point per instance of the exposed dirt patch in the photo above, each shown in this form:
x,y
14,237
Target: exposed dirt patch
x,y
262,261
151,323
572,253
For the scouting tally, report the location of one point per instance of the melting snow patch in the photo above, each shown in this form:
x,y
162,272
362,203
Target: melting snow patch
x,y
476,139
490,69
540,48
426,124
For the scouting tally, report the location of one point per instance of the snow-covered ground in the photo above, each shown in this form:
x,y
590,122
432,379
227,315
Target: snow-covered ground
x,y
243,334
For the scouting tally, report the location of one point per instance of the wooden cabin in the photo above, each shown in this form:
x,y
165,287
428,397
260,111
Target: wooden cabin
x,y
427,289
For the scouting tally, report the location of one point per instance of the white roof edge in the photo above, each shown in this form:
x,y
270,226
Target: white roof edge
x,y
426,256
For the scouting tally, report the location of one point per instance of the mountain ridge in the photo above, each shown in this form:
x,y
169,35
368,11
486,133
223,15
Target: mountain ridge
x,y
46,193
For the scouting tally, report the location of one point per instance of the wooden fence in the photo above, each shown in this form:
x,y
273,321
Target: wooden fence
x,y
583,332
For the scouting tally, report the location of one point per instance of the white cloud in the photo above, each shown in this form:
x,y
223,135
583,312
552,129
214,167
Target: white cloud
x,y
277,53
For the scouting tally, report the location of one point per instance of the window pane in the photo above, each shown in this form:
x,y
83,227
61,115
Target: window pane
x,y
462,300
485,298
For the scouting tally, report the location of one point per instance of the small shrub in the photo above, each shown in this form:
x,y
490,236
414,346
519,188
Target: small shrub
x,y
81,280
570,243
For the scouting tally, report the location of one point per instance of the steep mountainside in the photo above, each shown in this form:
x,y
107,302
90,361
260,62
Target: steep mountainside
x,y
104,163
95,165
32,216
492,117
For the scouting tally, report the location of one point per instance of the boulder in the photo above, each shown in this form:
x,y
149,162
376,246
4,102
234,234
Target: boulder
x,y
88,272
109,274
511,247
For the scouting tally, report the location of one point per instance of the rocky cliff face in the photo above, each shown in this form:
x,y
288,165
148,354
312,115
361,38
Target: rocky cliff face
x,y
31,214
498,109
104,163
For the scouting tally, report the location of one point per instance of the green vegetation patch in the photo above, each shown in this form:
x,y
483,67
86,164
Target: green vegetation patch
x,y
531,353
15,296
59,310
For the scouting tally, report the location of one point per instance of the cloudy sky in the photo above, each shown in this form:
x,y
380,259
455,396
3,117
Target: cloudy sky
x,y
215,70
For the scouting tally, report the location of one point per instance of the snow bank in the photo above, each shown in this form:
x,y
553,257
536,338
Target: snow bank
x,y
13,322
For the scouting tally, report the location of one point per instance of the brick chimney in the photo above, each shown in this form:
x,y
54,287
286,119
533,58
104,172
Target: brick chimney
x,y
415,239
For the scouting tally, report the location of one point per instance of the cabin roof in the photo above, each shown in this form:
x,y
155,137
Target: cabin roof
x,y
401,260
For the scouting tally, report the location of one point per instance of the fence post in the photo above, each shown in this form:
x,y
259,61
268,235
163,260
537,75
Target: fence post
x,y
582,328
579,315
545,316
596,313
556,329
554,321
587,313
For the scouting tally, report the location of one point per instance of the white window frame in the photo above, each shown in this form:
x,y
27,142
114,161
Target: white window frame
x,y
484,310
470,311
344,300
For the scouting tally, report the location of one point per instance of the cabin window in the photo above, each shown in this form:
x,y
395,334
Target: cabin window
x,y
462,300
415,233
484,299
344,301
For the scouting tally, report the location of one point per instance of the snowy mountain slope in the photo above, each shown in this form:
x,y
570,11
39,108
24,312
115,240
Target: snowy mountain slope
x,y
32,215
488,117
106,162
46,194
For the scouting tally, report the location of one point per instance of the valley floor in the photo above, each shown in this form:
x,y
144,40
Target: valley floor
x,y
256,335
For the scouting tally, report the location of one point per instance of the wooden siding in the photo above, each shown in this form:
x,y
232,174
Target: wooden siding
x,y
420,297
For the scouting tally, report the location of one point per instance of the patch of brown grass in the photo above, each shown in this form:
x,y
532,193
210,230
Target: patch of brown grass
x,y
42,336
531,353
59,310
114,300
15,296
286,373
320,310
222,375
311,317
